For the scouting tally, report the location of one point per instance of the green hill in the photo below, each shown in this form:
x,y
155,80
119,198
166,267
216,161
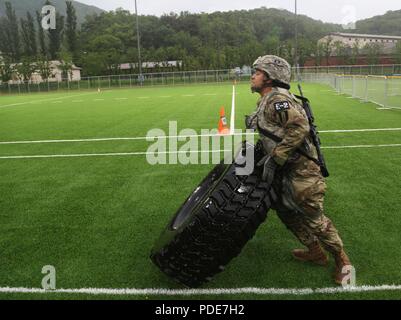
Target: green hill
x,y
387,24
22,6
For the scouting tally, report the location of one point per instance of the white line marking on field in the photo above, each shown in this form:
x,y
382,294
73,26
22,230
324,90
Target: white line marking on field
x,y
210,94
232,121
181,136
98,99
143,97
363,146
119,154
75,101
202,292
122,154
57,101
44,100
360,130
383,108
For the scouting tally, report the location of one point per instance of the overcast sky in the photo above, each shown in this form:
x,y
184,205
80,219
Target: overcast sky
x,y
339,11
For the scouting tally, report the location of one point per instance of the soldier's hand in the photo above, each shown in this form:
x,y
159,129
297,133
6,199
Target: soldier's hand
x,y
248,122
269,169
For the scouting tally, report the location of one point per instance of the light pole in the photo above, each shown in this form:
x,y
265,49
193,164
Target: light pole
x,y
139,45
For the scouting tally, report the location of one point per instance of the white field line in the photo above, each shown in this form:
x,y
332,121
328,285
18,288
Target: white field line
x,y
176,137
117,154
210,94
44,100
122,154
363,146
202,292
232,121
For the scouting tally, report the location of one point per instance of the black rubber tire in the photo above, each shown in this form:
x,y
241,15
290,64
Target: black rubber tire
x,y
213,225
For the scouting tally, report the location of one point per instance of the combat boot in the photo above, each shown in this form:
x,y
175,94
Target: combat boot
x,y
314,254
342,260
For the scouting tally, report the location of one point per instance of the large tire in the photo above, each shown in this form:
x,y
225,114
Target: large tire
x,y
213,225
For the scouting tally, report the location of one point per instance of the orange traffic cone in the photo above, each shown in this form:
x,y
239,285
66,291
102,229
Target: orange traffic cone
x,y
223,129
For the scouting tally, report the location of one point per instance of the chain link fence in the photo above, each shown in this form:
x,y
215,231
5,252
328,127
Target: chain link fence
x,y
126,81
384,91
350,85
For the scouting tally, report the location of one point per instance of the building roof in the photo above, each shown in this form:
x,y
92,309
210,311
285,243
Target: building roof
x,y
358,35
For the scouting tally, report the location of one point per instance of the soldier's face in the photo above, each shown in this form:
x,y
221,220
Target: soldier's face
x,y
258,80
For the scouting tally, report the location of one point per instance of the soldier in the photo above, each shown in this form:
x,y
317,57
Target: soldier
x,y
298,181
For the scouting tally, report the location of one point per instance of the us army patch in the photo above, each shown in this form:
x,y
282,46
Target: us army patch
x,y
281,106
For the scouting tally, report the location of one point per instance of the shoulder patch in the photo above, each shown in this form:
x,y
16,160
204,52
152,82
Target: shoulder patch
x,y
281,106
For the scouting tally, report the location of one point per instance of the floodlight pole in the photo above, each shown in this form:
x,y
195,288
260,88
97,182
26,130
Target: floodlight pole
x,y
139,45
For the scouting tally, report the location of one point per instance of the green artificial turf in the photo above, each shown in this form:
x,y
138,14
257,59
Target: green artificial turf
x,y
95,219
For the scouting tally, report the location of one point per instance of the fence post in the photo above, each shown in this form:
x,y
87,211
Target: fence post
x,y
366,88
385,92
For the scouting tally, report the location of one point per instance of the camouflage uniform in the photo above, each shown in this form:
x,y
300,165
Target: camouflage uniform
x,y
299,183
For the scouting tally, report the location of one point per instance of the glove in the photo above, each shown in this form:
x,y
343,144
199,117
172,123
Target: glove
x,y
269,169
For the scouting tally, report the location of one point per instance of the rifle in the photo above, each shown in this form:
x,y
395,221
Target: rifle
x,y
313,132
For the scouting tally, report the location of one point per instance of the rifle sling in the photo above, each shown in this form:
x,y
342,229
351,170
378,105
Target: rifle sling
x,y
277,139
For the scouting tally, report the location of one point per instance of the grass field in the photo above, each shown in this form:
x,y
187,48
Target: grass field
x,y
95,219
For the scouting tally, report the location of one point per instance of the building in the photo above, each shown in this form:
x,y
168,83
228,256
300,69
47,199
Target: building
x,y
386,43
57,74
152,66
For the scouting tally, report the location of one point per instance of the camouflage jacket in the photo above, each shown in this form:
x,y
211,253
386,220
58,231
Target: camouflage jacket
x,y
280,113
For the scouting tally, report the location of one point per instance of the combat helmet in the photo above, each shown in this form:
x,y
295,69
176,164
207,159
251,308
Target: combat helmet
x,y
276,68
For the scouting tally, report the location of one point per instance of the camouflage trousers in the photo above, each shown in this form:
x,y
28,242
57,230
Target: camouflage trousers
x,y
301,190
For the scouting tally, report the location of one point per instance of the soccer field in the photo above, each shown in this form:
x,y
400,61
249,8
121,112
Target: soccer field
x,y
92,206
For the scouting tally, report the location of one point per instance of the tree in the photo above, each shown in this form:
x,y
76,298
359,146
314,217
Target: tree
x,y
10,34
41,35
44,68
355,52
6,70
25,69
327,49
71,28
66,64
373,53
28,33
319,53
55,36
398,52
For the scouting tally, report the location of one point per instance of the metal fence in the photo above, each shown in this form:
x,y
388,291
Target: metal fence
x,y
125,81
326,75
385,69
384,91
